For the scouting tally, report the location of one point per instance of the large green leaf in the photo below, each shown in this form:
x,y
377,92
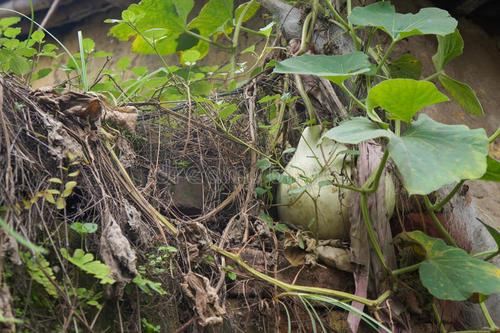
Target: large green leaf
x,y
462,94
449,47
406,66
212,17
403,98
428,21
450,273
492,170
337,68
356,130
430,155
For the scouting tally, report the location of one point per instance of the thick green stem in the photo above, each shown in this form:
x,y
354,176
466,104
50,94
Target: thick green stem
x,y
494,136
336,15
305,33
492,255
407,269
253,32
371,232
352,32
438,206
487,254
435,311
297,288
398,127
488,318
307,101
236,36
208,40
442,230
349,187
433,76
371,185
385,57
354,98
312,25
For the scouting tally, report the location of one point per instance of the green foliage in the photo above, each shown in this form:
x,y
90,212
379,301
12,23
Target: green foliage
x,y
212,17
84,228
277,227
251,9
148,286
382,15
20,239
406,66
230,272
356,130
40,271
17,56
403,98
449,47
149,327
86,262
429,154
89,297
463,94
495,234
161,26
451,273
337,68
492,170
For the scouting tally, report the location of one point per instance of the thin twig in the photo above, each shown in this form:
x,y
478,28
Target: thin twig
x,y
50,12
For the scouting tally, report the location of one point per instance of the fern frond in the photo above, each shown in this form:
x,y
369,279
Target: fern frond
x,y
40,271
86,262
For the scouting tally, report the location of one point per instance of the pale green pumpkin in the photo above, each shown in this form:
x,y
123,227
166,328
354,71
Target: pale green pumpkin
x,y
312,202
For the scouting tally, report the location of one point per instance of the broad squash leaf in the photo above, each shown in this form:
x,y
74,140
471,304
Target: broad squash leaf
x,y
86,262
406,66
492,170
449,47
462,94
337,68
450,273
356,130
40,271
403,98
213,16
428,21
430,155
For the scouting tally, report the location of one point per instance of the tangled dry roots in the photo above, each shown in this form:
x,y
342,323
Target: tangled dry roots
x,y
131,186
